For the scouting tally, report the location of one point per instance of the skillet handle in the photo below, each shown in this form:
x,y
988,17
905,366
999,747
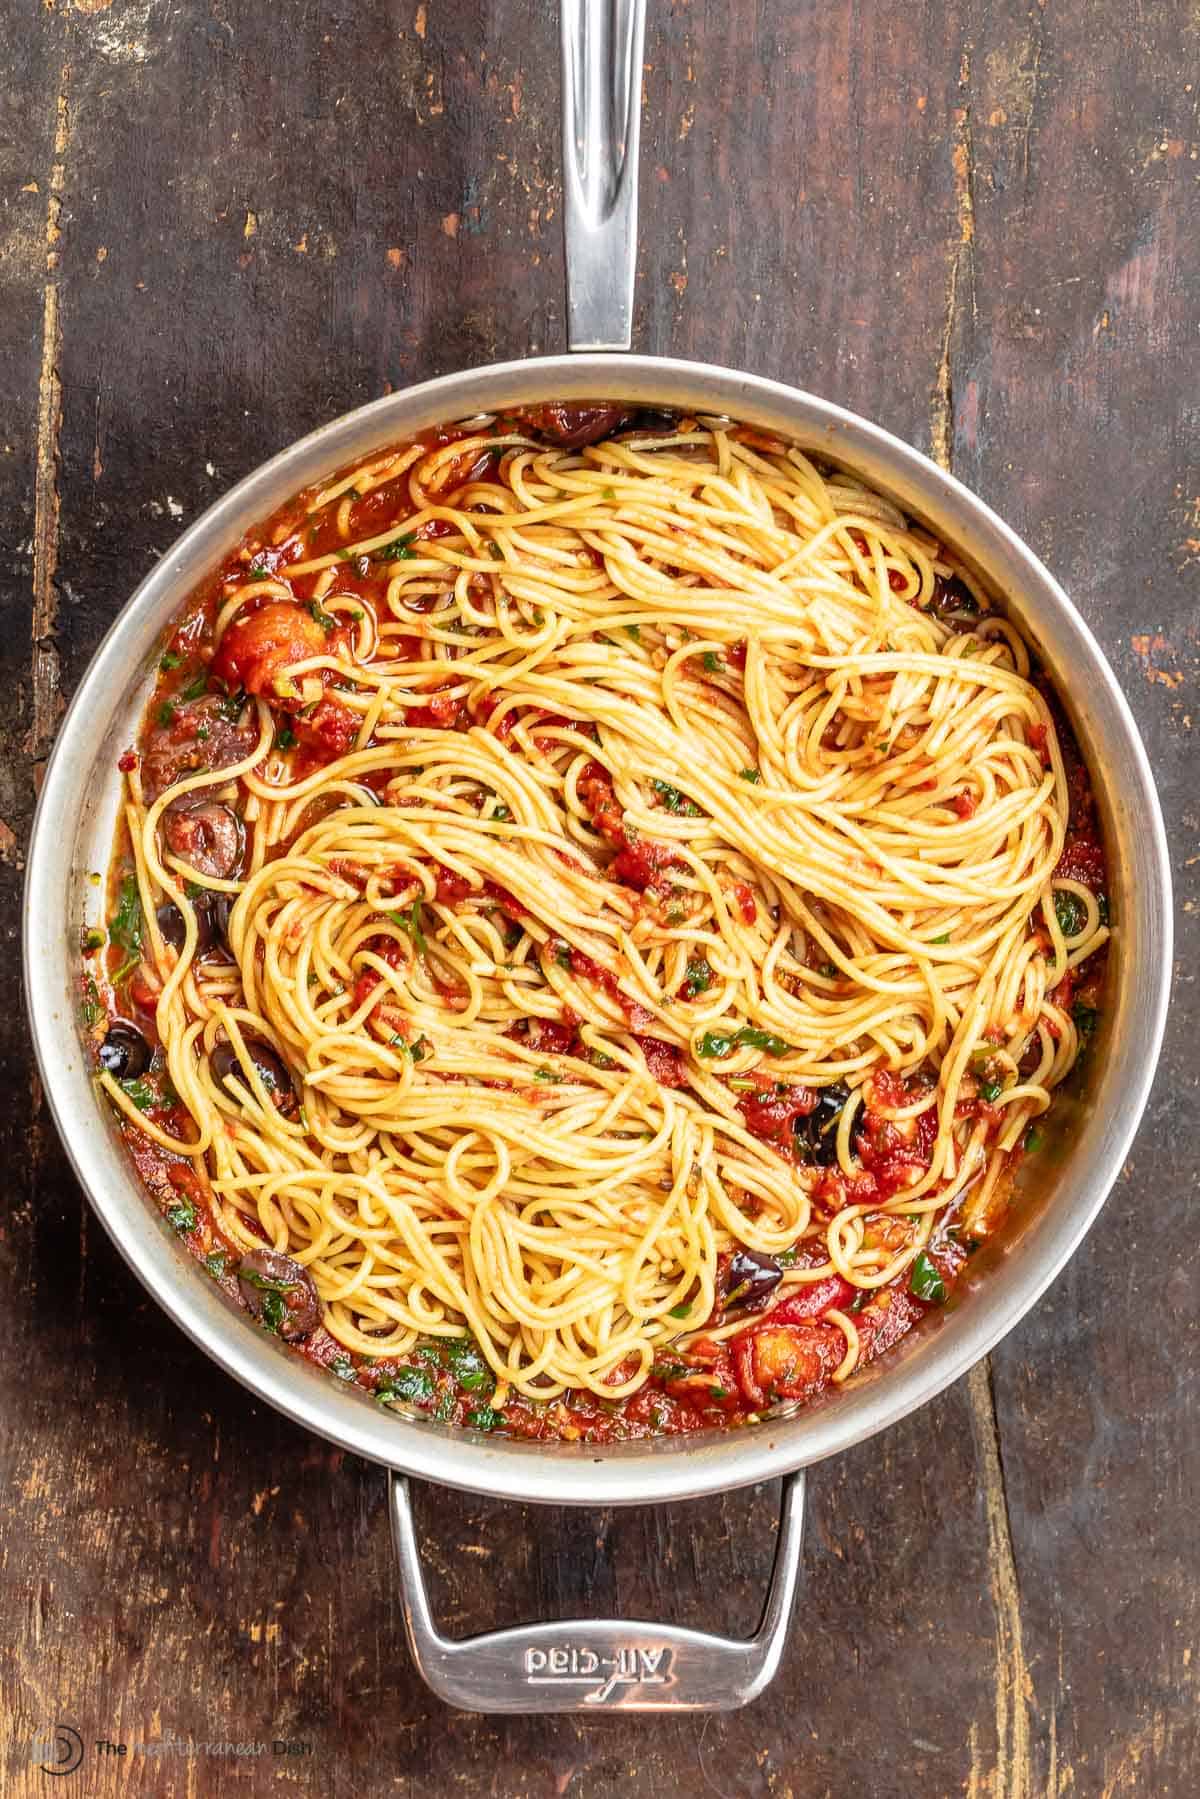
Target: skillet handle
x,y
602,116
598,1664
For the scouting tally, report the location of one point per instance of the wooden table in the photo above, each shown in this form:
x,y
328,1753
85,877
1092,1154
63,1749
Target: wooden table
x,y
975,222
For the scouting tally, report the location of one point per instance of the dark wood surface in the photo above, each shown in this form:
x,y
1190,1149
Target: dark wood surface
x,y
973,220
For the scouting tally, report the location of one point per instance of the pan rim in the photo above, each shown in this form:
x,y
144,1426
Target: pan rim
x,y
662,1468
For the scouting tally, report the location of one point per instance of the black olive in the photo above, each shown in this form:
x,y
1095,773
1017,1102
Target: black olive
x,y
125,1053
816,1135
209,837
270,1067
654,419
952,602
212,922
280,1292
750,1280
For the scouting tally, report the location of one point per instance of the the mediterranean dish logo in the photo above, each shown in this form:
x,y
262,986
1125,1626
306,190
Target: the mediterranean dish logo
x,y
59,1749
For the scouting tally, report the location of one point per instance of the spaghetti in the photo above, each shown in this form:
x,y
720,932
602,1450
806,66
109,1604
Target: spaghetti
x,y
617,905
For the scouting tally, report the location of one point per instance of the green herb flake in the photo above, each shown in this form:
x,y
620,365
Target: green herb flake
x,y
750,774
747,1036
634,631
258,571
216,1262
410,922
674,801
93,941
399,550
325,619
944,938
713,663
231,706
718,1392
484,1418
413,1385
142,1096
166,713
274,1311
169,660
125,926
562,956
1069,913
991,1091
467,1364
500,811
683,1311
926,1282
342,1366
1086,1018
285,737
548,1074
182,1217
196,686
697,977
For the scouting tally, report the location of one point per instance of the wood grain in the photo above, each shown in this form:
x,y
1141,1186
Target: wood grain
x,y
976,223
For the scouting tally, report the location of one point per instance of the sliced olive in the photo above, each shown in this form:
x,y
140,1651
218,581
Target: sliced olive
x,y
816,1135
570,427
953,602
125,1053
212,922
654,419
280,1292
270,1067
209,837
750,1280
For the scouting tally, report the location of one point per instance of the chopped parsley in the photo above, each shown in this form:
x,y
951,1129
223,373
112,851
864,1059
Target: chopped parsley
x,y
747,1036
697,977
926,1282
170,659
125,926
231,705
285,737
1086,1018
215,1262
142,1096
166,713
325,619
274,1311
484,1418
258,571
674,801
991,1091
713,663
196,686
750,774
182,1216
467,1364
410,922
399,550
414,1385
1069,913
944,938
634,631
547,1074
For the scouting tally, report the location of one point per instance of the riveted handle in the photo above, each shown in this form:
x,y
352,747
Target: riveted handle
x,y
598,1664
602,114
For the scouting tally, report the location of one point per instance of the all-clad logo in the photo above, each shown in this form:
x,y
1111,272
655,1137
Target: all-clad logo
x,y
62,1747
606,1675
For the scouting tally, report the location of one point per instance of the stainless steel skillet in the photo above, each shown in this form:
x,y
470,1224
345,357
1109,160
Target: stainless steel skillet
x,y
593,1664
